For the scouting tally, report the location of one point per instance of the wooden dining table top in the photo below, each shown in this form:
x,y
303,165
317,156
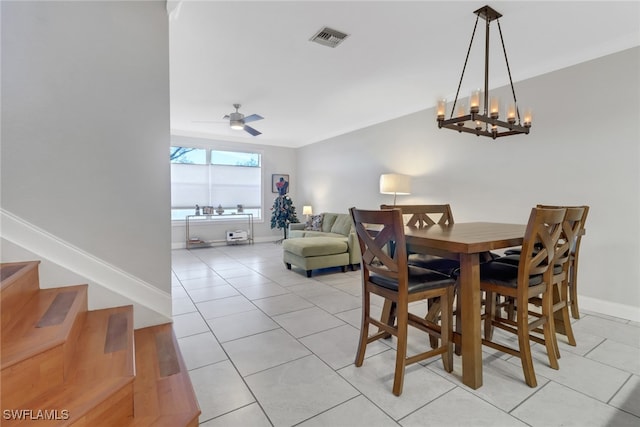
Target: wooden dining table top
x,y
467,237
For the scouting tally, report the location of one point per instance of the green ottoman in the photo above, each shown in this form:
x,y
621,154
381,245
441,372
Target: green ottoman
x,y
311,253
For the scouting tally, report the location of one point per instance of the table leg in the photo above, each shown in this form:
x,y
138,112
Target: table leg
x,y
470,299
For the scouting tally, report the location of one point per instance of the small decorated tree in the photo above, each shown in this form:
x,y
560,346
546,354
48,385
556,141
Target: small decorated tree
x,y
283,213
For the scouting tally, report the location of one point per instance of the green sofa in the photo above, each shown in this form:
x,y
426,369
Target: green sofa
x,y
334,225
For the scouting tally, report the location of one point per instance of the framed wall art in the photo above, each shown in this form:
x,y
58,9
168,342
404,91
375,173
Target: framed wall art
x,y
280,183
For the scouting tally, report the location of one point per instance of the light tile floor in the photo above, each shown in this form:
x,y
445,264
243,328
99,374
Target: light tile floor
x,y
266,346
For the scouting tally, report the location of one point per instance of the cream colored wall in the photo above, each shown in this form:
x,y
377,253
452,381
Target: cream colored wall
x,y
583,149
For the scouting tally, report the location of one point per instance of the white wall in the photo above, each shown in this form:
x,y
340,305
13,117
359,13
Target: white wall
x,y
85,128
583,149
275,160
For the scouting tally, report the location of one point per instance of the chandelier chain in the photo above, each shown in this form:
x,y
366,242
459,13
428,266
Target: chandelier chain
x,y
506,60
473,34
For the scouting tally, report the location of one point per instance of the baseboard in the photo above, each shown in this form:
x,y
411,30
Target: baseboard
x,y
96,271
613,309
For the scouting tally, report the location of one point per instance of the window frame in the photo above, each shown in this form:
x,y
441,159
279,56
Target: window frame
x,y
223,147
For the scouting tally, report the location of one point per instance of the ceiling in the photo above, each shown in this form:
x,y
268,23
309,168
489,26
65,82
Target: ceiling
x,y
399,58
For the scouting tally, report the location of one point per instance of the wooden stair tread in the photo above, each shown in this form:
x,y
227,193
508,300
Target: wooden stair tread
x,y
75,399
45,321
163,393
97,356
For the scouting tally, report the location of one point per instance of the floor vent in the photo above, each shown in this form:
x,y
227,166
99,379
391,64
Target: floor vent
x,y
329,37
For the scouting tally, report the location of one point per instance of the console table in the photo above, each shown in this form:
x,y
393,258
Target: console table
x,y
211,219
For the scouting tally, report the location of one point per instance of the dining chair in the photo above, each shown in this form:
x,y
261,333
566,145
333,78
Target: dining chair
x,y
572,232
424,216
573,261
573,266
386,273
571,226
531,278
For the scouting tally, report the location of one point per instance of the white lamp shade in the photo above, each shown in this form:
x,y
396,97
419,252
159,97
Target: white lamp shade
x,y
393,183
306,210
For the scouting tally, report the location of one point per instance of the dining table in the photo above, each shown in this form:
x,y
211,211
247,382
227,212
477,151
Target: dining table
x,y
468,242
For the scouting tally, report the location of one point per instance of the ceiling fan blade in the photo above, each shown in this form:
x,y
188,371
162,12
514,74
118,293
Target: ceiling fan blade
x,y
253,118
252,131
226,116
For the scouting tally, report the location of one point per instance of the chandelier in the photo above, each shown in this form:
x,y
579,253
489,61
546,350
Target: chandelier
x,y
489,122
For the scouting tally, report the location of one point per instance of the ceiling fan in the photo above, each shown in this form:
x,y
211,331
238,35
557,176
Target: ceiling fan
x,y
238,121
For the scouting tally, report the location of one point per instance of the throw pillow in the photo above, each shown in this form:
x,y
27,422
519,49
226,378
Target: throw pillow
x,y
314,223
343,225
327,221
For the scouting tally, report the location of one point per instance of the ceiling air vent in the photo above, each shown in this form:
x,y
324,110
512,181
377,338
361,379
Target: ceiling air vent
x,y
329,37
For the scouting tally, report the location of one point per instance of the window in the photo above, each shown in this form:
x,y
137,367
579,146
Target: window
x,y
215,178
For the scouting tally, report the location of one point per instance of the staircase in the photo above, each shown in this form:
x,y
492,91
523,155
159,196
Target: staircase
x,y
63,365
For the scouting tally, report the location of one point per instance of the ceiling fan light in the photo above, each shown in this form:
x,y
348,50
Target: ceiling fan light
x,y
237,124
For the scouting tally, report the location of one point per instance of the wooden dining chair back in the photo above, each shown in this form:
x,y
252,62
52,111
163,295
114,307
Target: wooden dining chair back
x,y
573,260
571,226
531,278
575,241
571,229
573,267
385,273
424,215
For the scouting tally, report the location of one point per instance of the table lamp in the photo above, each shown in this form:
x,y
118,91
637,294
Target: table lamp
x,y
393,183
306,210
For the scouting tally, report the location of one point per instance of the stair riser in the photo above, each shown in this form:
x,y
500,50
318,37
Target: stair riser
x,y
31,377
23,286
114,410
70,345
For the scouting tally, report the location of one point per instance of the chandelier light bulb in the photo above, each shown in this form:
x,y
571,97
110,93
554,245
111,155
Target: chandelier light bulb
x,y
442,108
528,115
494,112
511,113
474,101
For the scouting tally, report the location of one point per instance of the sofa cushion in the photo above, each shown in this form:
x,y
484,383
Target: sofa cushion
x,y
342,225
314,223
327,221
316,246
296,233
308,233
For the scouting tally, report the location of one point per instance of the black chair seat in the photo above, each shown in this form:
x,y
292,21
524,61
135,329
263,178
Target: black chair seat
x,y
516,251
504,274
441,265
515,260
419,280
